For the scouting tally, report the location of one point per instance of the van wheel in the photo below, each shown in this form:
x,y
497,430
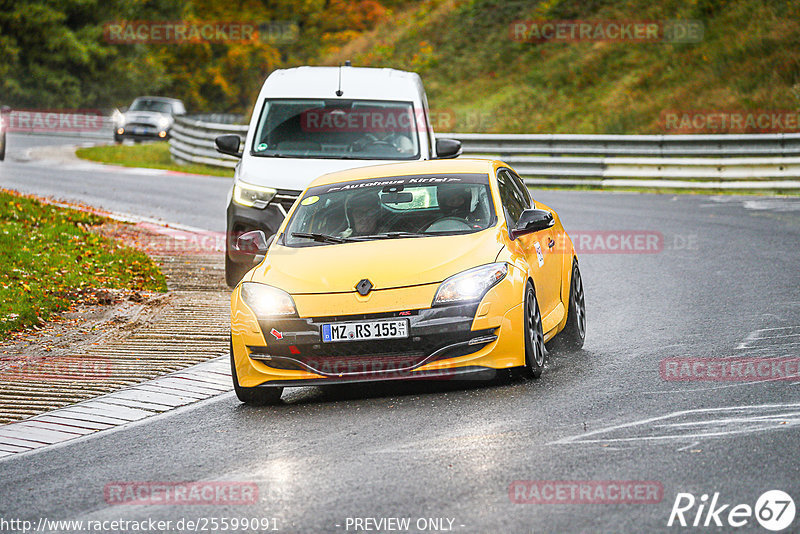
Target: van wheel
x,y
234,272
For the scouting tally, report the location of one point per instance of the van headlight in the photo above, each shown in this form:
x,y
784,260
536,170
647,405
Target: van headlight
x,y
254,196
471,284
267,301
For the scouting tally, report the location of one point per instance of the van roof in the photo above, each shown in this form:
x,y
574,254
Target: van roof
x,y
357,83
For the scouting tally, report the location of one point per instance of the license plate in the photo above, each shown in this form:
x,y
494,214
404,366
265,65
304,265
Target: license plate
x,y
332,332
140,131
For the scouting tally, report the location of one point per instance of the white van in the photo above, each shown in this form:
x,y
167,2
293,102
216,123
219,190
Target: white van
x,y
309,121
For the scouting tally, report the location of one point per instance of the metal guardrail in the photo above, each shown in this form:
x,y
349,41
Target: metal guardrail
x,y
736,161
192,141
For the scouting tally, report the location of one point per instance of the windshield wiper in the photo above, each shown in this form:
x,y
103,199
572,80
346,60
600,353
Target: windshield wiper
x,y
321,238
393,235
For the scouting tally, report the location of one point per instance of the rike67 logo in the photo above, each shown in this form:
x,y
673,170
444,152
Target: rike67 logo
x,y
774,510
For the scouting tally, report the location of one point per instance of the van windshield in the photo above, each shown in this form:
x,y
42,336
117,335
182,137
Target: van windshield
x,y
159,106
338,129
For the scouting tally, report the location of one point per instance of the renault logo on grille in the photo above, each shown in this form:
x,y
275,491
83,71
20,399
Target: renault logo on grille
x,y
364,287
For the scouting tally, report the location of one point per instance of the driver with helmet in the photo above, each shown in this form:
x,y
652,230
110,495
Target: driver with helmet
x,y
362,210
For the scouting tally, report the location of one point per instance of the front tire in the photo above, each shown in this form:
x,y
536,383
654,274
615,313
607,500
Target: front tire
x,y
574,333
534,335
254,396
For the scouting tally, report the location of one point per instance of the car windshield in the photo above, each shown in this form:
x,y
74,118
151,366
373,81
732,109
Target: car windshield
x,y
391,208
340,129
157,106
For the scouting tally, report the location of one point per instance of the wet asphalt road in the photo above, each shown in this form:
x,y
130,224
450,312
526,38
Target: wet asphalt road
x,y
723,285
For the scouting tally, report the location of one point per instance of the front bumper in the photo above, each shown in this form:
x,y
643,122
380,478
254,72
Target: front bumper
x,y
434,334
448,342
243,219
141,133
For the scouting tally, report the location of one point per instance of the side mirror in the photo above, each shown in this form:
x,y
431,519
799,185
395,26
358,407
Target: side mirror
x,y
532,220
448,148
253,243
229,144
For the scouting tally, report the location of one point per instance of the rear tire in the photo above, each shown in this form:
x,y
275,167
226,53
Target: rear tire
x,y
534,336
574,333
254,396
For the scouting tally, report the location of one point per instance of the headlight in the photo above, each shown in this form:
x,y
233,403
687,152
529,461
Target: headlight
x,y
163,123
254,196
118,118
266,300
471,284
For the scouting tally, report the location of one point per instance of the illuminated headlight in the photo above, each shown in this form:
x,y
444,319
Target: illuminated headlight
x,y
118,118
470,285
254,196
163,123
266,301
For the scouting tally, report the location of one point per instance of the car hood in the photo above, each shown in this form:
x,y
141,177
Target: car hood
x,y
294,173
387,263
145,116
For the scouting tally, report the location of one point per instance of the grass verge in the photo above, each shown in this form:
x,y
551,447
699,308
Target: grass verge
x,y
51,257
145,155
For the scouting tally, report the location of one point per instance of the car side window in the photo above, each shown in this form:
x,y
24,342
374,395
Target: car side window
x,y
523,190
514,202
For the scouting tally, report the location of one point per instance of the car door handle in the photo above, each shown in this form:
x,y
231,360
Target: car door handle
x,y
550,242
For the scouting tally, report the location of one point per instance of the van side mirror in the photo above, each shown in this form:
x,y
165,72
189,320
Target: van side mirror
x,y
229,144
448,148
531,221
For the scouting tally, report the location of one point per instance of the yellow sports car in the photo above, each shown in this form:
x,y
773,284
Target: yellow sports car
x,y
435,269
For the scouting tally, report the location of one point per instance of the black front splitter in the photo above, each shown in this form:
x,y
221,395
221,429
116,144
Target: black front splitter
x,y
456,373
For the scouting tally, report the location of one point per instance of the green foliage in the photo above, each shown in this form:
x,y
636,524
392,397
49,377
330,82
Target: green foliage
x,y
50,254
146,155
55,55
748,59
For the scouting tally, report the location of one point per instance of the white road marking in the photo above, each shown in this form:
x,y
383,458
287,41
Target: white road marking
x,y
739,422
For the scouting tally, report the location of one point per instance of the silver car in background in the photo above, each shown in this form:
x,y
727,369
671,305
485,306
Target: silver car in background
x,y
148,118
